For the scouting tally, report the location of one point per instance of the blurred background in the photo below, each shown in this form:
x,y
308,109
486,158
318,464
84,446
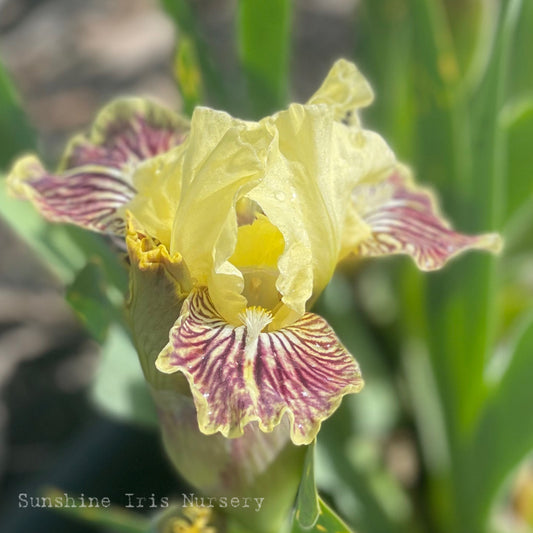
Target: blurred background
x,y
439,440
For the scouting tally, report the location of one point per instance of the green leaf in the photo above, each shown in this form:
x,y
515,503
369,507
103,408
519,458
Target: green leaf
x,y
52,242
119,387
384,32
307,508
518,127
350,468
465,293
16,134
520,67
505,434
327,522
63,249
471,23
486,105
456,145
264,31
188,73
87,296
311,514
472,298
452,320
185,19
462,301
434,77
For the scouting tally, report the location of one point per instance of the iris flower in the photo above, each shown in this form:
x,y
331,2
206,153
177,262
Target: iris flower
x,y
248,221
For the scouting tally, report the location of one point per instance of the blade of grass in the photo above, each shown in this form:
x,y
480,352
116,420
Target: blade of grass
x,y
505,434
63,249
520,66
87,296
372,414
307,508
188,74
327,520
517,123
264,32
311,514
185,20
457,147
383,34
464,293
16,134
475,308
51,242
119,388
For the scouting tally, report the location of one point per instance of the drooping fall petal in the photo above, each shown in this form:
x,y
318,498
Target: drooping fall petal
x,y
91,196
125,132
94,180
240,374
402,218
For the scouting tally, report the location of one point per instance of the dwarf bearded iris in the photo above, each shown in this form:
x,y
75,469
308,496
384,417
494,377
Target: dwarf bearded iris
x,y
246,222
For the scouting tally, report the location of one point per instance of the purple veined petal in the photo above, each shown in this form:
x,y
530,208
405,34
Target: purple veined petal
x,y
90,196
94,180
239,374
404,219
126,132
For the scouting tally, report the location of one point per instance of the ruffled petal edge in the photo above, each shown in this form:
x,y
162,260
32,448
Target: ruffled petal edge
x,y
241,374
94,180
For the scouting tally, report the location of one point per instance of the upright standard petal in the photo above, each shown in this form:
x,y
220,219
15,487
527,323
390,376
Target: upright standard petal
x,y
398,217
313,165
344,90
223,159
94,180
158,185
241,374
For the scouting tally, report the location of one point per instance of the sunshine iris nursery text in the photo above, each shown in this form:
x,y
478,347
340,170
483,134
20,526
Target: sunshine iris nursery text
x,y
134,501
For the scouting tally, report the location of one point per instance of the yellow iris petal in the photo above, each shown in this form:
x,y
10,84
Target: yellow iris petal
x,y
292,173
258,244
224,158
158,187
313,165
297,168
344,91
259,247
